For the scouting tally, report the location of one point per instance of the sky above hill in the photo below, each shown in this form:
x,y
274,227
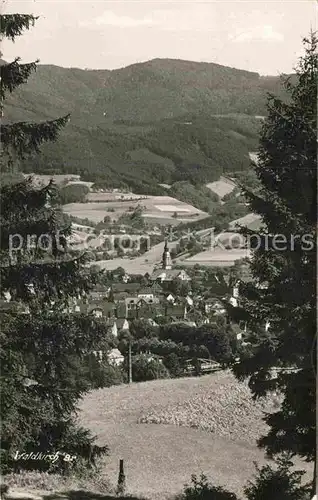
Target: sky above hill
x,y
263,36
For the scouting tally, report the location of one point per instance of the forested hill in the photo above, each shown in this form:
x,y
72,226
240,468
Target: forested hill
x,y
162,120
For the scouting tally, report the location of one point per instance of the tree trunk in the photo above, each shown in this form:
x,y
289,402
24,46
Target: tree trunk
x,y
121,485
314,482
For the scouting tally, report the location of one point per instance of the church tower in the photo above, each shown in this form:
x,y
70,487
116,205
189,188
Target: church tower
x,y
166,257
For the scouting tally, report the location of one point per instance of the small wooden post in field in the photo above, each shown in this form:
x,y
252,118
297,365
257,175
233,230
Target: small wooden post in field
x,y
4,490
121,485
129,364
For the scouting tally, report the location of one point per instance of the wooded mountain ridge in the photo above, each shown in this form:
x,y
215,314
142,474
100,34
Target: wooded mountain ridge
x,y
160,121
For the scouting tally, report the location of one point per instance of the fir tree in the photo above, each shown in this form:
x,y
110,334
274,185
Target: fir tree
x,y
284,264
21,138
41,350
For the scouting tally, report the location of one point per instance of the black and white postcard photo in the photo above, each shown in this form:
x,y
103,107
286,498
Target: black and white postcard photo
x,y
158,249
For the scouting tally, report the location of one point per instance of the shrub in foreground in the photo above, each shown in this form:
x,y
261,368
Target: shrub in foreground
x,y
201,489
279,483
271,483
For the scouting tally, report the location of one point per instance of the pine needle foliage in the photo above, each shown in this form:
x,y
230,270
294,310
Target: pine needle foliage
x,y
43,343
283,356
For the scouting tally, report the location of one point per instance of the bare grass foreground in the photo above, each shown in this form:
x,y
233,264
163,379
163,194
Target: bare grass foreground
x,y
166,430
160,458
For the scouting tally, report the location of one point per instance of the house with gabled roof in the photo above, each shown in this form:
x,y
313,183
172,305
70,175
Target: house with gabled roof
x,y
170,298
125,287
163,275
101,309
120,296
152,322
131,304
156,288
112,328
137,307
99,292
149,310
146,293
122,324
115,357
215,306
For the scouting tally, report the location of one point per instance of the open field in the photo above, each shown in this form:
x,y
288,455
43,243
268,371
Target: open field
x,y
96,212
221,187
81,183
217,257
131,266
163,220
252,221
157,209
160,210
166,207
139,265
113,196
160,458
225,238
84,241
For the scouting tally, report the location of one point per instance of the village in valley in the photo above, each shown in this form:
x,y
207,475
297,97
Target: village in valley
x,y
176,286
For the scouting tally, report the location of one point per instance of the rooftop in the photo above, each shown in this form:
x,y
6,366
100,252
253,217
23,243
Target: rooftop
x,y
167,273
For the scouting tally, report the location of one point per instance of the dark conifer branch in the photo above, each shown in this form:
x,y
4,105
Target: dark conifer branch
x,y
25,138
14,74
13,25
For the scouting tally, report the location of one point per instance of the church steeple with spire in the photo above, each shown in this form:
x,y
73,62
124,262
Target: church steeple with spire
x,y
166,257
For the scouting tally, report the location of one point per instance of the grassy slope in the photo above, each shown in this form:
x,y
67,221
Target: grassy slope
x,y
146,108
161,458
